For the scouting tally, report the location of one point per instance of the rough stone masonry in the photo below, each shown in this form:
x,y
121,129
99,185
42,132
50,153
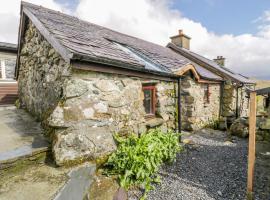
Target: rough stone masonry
x,y
82,109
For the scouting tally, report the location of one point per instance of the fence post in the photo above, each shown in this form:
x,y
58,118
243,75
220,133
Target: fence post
x,y
251,144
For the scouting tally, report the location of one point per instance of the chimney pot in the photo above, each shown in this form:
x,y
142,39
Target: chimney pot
x,y
220,60
181,40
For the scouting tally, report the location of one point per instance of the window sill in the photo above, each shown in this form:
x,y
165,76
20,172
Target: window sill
x,y
149,116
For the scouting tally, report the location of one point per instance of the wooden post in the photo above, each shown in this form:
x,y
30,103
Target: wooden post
x,y
251,144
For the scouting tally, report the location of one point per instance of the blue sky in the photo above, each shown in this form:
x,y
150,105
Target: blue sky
x,y
224,16
220,16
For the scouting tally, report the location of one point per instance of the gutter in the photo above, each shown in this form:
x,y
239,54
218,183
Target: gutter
x,y
221,99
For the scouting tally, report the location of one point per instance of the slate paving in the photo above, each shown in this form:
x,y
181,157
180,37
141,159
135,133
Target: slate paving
x,y
20,134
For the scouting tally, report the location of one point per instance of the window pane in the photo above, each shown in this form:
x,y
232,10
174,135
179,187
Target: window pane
x,y
147,102
10,68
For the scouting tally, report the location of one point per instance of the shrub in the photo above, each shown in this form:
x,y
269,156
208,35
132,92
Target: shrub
x,y
138,159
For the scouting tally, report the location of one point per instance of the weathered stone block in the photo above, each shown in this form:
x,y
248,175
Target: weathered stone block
x,y
106,85
154,122
81,142
75,88
265,124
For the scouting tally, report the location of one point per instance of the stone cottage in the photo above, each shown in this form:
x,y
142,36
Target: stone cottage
x,y
86,82
8,85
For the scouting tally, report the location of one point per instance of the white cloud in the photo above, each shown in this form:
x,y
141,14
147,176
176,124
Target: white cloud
x,y
156,21
10,13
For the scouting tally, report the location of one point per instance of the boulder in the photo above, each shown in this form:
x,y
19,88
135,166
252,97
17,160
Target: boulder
x,y
239,128
81,142
265,125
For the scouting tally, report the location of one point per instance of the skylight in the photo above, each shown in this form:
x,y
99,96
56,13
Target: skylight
x,y
146,62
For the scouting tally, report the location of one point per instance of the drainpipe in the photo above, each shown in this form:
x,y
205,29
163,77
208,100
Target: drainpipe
x,y
221,99
179,107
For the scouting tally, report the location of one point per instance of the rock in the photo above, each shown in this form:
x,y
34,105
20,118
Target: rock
x,y
56,119
239,128
88,113
80,143
106,85
75,88
265,124
228,142
259,137
154,122
104,188
70,147
188,141
189,99
101,107
121,194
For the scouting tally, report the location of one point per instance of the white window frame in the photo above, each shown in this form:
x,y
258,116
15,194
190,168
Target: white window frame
x,y
3,58
3,69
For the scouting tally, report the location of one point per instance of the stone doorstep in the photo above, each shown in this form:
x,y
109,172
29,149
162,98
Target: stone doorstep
x,y
7,161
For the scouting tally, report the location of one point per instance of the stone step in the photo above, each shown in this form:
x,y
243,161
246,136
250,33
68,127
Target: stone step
x,y
22,142
21,157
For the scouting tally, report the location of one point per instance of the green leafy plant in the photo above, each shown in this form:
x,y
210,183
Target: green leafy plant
x,y
213,124
138,159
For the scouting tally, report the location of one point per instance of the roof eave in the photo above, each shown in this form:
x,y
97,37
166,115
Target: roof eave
x,y
64,52
117,64
172,46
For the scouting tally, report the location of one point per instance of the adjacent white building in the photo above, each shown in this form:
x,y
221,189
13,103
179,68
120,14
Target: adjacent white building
x,y
8,84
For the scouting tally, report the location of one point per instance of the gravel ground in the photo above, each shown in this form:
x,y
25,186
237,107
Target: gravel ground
x,y
211,168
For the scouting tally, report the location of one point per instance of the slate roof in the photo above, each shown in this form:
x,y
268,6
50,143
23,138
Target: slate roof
x,y
85,41
263,91
9,47
89,41
196,57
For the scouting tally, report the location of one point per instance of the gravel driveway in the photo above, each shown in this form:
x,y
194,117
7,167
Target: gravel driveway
x,y
211,168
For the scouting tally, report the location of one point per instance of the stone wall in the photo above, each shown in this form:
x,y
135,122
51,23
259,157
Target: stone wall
x,y
196,113
83,109
230,98
96,105
42,74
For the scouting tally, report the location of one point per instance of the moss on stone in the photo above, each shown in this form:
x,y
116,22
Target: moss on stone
x,y
14,167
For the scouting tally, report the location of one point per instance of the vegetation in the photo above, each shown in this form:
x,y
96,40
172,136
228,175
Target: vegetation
x,y
137,159
213,124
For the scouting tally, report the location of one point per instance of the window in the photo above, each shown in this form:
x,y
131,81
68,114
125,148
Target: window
x,y
149,101
7,68
206,96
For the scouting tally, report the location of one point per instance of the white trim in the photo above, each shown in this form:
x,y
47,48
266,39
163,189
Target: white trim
x,y
7,81
3,69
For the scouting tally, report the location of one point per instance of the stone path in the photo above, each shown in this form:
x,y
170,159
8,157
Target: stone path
x,y
20,134
79,182
211,168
